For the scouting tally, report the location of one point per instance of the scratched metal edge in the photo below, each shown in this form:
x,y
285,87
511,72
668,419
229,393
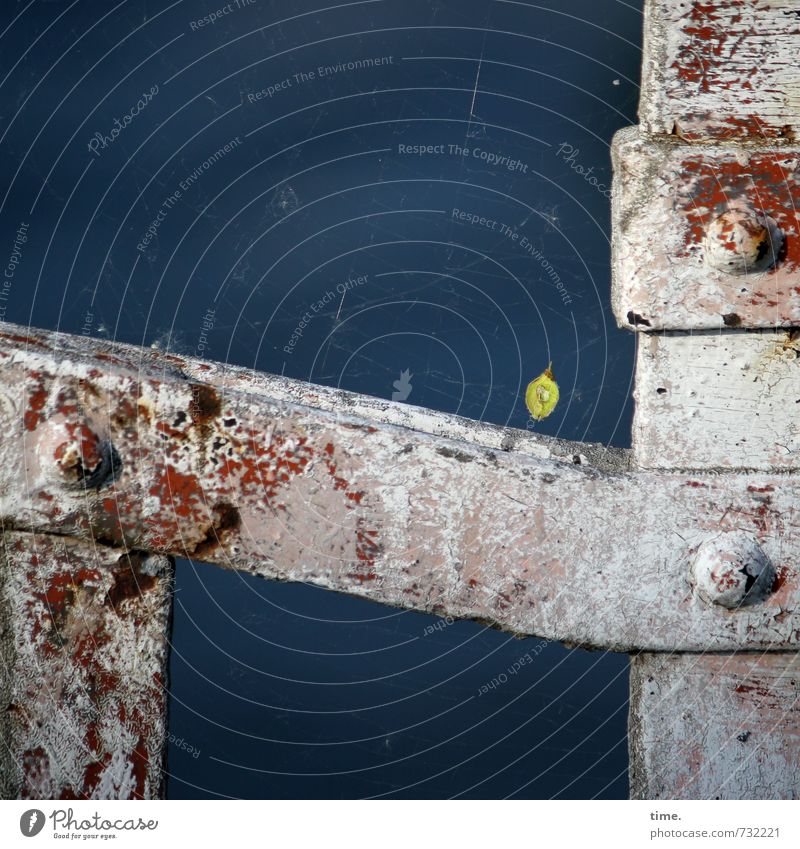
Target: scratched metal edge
x,y
651,86
640,305
302,394
10,771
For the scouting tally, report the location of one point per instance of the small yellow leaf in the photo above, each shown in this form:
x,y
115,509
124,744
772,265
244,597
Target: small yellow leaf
x,y
541,395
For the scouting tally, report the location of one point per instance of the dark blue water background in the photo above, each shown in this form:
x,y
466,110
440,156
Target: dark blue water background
x,y
268,156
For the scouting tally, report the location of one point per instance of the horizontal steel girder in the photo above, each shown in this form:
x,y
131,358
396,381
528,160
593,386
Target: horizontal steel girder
x,y
393,503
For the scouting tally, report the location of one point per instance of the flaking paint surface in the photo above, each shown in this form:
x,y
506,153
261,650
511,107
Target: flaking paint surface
x,y
534,544
665,196
84,682
721,70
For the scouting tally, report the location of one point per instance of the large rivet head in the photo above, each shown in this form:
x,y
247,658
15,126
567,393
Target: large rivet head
x,y
78,455
743,241
78,452
732,570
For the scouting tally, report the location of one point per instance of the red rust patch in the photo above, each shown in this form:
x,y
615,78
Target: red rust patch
x,y
80,453
270,466
781,575
129,580
226,518
206,403
71,658
50,609
758,689
367,550
36,403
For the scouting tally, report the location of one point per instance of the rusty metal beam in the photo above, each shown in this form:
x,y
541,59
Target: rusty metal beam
x,y
556,540
83,654
705,237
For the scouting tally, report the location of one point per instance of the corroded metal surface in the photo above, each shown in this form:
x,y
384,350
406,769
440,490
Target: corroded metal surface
x,y
116,447
82,678
149,458
718,401
715,726
669,200
721,70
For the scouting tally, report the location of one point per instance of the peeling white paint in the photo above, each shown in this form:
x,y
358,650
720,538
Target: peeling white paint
x,y
715,726
721,69
419,520
718,401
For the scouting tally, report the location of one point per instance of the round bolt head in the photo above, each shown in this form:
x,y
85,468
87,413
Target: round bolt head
x,y
732,570
73,453
743,241
78,452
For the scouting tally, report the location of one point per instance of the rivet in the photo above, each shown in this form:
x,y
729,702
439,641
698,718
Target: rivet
x,y
80,456
732,570
743,241
78,451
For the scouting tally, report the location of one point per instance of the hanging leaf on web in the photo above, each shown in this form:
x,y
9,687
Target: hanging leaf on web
x,y
541,395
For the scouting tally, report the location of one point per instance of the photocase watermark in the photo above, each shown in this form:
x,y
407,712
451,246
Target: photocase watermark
x,y
515,667
499,160
440,625
206,327
10,270
318,73
64,824
223,11
101,141
402,387
319,306
181,744
88,323
569,155
185,184
520,240
32,822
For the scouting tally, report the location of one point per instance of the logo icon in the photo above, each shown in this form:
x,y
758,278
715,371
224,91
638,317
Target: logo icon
x,y
403,386
31,822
